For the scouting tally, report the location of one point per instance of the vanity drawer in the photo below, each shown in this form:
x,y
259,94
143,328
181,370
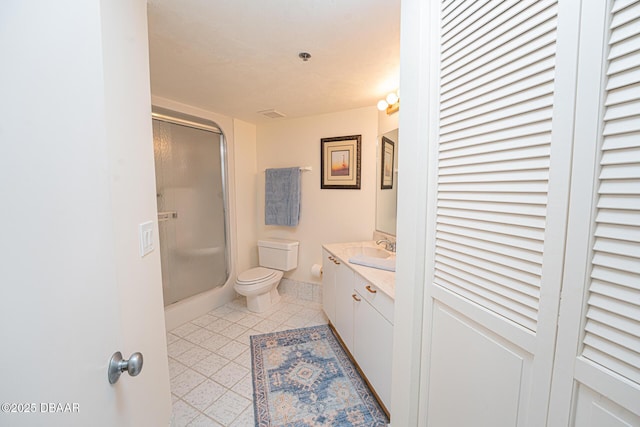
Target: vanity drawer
x,y
378,299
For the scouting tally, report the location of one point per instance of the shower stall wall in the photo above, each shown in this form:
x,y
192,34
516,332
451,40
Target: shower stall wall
x,y
191,195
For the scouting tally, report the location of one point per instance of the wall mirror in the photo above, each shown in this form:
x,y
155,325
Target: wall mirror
x,y
387,182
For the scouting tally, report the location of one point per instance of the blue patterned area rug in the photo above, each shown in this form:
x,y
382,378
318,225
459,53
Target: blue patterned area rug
x,y
303,377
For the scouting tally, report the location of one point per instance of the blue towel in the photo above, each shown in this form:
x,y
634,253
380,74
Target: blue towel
x,y
282,196
388,264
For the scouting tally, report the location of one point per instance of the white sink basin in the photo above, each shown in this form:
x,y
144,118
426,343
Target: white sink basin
x,y
367,251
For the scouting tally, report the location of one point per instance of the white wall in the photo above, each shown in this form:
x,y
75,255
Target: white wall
x,y
245,173
326,216
133,197
387,122
76,177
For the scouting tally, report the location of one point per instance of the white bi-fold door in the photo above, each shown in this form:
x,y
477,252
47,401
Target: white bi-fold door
x,y
492,298
532,293
597,369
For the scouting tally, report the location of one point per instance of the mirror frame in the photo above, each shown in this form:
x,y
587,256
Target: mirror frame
x,y
387,195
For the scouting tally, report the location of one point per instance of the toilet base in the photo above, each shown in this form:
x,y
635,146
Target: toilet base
x,y
263,302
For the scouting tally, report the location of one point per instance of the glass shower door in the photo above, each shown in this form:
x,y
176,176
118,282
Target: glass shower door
x,y
191,209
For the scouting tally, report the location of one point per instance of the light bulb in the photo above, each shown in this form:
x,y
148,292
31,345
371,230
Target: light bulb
x,y
392,98
382,105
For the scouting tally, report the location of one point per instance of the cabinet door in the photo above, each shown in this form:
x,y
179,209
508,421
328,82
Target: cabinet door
x,y
373,341
329,286
344,305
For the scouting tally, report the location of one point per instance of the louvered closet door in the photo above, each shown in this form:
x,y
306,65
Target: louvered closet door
x,y
601,364
490,348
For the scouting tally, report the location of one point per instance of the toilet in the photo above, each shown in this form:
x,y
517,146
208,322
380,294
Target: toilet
x,y
260,284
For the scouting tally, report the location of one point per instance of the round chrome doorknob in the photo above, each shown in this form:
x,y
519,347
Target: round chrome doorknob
x,y
134,364
117,365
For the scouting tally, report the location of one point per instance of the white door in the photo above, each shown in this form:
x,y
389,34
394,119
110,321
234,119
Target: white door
x,y
329,285
500,172
344,304
533,187
77,179
597,369
372,342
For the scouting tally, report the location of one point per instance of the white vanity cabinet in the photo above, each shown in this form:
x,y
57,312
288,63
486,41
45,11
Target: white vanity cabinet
x,y
337,301
373,337
329,267
345,305
362,315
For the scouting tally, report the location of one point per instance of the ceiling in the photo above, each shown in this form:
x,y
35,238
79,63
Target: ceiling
x,y
240,57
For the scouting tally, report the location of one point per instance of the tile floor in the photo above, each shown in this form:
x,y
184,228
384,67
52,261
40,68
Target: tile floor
x,y
210,360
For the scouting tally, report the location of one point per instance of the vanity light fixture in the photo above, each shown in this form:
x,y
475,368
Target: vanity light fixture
x,y
391,104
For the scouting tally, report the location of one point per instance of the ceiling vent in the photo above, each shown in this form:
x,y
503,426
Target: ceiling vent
x,y
272,114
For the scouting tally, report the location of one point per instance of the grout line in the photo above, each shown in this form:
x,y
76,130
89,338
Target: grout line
x,y
281,307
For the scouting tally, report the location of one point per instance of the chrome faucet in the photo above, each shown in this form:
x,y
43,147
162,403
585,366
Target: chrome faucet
x,y
388,244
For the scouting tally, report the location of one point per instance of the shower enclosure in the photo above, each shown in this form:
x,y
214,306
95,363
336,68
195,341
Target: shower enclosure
x,y
191,194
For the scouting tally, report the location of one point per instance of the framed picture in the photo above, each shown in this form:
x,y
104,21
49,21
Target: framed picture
x,y
340,162
386,163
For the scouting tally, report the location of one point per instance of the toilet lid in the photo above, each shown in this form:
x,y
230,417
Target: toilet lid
x,y
254,275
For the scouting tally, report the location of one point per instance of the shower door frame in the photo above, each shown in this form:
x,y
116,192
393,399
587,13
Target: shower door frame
x,y
182,119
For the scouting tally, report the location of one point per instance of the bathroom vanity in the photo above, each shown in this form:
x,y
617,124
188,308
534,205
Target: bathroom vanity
x,y
359,301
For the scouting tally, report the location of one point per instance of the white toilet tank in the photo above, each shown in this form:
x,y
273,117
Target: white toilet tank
x,y
279,254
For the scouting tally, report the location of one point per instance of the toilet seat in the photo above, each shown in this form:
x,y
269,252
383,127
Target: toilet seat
x,y
255,275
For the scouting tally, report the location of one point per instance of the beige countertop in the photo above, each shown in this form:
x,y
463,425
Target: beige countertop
x,y
382,279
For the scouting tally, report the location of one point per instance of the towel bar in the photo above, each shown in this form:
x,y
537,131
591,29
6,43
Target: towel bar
x,y
302,168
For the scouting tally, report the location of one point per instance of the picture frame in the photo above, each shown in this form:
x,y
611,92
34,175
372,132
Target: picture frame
x,y
387,158
340,162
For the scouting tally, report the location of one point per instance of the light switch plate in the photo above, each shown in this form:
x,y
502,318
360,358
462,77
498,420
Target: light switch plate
x,y
146,238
